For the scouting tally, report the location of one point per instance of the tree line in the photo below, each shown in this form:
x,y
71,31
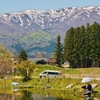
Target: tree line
x,y
81,47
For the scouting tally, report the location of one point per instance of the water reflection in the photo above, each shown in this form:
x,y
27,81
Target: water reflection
x,y
88,97
27,95
5,97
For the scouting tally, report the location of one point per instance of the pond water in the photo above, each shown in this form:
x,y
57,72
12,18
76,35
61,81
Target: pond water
x,y
28,95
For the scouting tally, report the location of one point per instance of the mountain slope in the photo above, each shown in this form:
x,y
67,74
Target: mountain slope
x,y
36,31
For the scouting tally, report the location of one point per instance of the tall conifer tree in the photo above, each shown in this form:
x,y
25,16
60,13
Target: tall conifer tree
x,y
22,55
69,46
58,52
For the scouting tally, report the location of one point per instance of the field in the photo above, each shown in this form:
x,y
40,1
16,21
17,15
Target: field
x,y
70,72
70,76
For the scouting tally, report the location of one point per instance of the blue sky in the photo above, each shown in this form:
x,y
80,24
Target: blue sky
x,y
7,6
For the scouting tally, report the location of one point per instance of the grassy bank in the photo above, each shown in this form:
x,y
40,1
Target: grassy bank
x,y
70,76
55,87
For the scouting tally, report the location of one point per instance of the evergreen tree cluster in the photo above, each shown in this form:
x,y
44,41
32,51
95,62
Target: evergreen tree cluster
x,y
82,46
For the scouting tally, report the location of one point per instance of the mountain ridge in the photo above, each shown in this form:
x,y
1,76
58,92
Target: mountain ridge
x,y
16,26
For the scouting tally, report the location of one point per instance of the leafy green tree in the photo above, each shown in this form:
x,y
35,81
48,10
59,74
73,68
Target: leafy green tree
x,y
22,55
58,52
26,69
6,62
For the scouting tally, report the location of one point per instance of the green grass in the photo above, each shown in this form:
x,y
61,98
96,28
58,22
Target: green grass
x,y
37,37
56,84
92,72
61,83
56,87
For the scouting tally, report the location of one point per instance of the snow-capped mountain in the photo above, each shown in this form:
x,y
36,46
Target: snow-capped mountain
x,y
33,20
14,26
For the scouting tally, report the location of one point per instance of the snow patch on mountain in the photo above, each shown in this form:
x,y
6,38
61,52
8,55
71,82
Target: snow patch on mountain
x,y
48,18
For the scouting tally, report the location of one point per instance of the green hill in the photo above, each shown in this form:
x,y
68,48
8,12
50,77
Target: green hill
x,y
38,42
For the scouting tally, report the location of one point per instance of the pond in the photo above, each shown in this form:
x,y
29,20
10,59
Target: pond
x,y
32,94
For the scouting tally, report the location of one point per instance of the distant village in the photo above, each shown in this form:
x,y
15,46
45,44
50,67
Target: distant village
x,y
41,59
